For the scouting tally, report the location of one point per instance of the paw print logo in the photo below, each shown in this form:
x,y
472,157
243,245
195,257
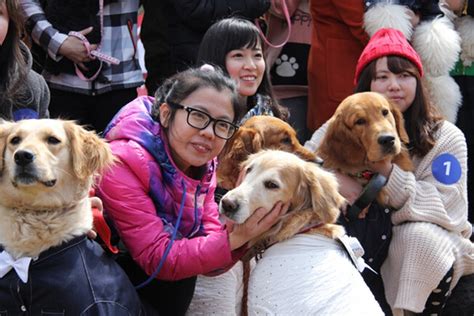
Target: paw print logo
x,y
286,66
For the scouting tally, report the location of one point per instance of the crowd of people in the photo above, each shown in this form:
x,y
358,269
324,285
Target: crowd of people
x,y
211,67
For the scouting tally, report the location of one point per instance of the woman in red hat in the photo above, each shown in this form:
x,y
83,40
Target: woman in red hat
x,y
430,248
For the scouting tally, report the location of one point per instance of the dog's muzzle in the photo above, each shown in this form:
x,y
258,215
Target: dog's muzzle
x,y
24,157
25,170
387,142
229,207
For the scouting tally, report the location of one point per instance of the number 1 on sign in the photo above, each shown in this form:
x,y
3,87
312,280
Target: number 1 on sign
x,y
447,164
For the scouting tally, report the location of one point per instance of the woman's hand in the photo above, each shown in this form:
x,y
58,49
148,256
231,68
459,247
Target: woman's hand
x,y
456,6
95,203
73,49
258,223
349,188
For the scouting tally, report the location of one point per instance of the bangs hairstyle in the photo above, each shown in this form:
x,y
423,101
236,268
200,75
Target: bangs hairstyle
x,y
230,34
422,120
224,36
178,87
13,67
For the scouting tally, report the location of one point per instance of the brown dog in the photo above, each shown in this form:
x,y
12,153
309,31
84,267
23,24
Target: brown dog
x,y
258,132
366,127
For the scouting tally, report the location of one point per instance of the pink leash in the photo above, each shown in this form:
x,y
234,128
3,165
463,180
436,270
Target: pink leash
x,y
94,54
288,21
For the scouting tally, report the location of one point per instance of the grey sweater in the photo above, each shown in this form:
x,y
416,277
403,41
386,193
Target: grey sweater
x,y
32,100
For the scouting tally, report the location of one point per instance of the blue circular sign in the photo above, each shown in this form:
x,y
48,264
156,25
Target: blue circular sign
x,y
446,169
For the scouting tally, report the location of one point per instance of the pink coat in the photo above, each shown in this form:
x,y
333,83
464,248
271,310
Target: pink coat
x,y
145,170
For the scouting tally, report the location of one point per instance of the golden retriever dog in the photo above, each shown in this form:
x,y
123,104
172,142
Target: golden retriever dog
x,y
258,132
365,127
223,294
46,172
303,269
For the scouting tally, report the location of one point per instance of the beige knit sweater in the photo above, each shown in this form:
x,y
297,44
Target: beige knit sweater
x,y
431,230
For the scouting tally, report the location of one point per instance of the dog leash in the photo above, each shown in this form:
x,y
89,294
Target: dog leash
x,y
369,193
95,53
288,21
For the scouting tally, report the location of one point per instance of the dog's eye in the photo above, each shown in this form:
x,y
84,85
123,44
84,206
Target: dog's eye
x,y
270,185
360,121
53,140
15,140
248,170
384,112
286,140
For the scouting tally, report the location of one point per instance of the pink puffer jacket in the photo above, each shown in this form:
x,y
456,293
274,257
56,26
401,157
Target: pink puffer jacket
x,y
142,194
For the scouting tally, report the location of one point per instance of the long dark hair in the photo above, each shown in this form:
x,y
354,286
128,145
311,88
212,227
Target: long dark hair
x,y
13,67
422,120
235,33
178,87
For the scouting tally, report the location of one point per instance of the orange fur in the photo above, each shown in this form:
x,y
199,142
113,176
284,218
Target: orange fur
x,y
354,131
258,132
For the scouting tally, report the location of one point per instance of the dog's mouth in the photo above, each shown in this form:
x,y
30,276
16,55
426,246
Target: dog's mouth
x,y
27,178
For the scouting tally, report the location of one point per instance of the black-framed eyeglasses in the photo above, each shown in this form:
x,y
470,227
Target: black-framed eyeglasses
x,y
200,120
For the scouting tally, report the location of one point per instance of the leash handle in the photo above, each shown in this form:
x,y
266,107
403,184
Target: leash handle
x,y
369,194
103,230
288,21
96,53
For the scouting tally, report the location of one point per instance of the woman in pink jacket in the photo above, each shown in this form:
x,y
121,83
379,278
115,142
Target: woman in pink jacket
x,y
160,194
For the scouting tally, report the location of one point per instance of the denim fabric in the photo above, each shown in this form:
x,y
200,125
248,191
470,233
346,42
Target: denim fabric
x,y
76,278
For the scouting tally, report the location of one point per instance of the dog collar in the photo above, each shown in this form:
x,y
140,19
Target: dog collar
x,y
307,228
365,174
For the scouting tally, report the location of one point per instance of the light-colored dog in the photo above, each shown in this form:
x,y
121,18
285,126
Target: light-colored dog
x,y
47,169
303,269
46,173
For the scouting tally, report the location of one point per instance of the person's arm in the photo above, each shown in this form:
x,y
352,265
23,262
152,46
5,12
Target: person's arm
x,y
352,15
44,98
200,14
126,200
315,140
50,39
420,196
459,7
42,32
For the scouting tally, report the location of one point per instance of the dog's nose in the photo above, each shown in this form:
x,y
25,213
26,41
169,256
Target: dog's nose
x,y
229,206
387,141
24,157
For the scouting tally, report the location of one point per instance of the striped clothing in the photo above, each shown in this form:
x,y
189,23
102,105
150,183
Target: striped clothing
x,y
117,41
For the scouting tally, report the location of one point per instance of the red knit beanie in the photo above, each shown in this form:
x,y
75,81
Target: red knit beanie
x,y
387,42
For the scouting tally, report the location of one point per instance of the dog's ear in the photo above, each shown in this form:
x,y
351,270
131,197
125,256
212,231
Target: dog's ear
x,y
90,153
340,146
236,151
325,198
399,123
304,153
5,129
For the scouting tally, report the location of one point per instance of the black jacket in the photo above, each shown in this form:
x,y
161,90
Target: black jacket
x,y
76,278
